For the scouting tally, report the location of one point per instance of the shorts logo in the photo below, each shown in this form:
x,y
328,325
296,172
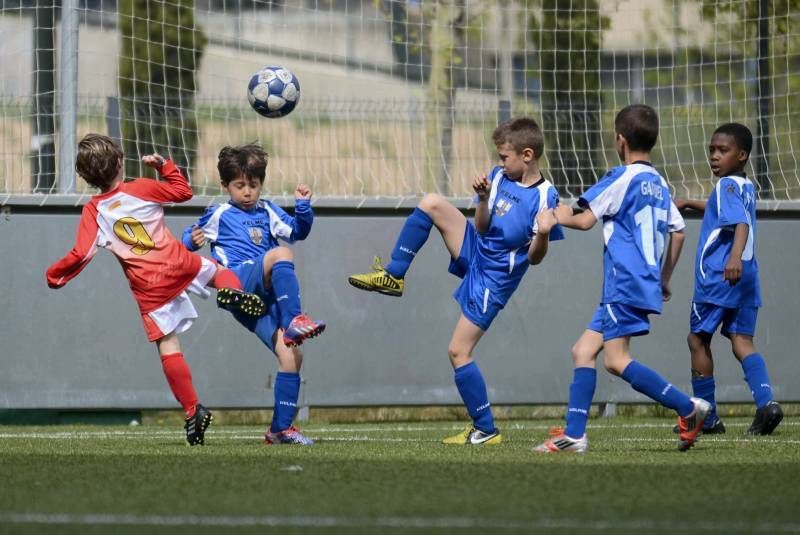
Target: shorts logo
x,y
256,236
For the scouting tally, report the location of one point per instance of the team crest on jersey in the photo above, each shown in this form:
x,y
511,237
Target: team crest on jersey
x,y
256,236
502,207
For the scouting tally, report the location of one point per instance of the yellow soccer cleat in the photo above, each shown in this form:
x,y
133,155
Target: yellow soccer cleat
x,y
378,280
474,437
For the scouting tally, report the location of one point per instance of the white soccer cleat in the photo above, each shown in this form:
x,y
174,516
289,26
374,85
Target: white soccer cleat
x,y
559,442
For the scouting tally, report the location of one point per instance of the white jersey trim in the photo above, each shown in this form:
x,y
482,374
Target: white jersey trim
x,y
211,228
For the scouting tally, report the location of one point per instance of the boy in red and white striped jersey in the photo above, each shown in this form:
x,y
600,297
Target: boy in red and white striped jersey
x,y
127,218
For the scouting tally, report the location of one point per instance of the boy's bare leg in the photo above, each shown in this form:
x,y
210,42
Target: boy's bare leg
x,y
465,337
702,358
447,219
432,211
471,386
278,254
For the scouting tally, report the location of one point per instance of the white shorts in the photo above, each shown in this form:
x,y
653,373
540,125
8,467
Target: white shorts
x,y
179,314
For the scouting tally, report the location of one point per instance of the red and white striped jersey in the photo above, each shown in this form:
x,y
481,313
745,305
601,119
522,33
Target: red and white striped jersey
x,y
129,221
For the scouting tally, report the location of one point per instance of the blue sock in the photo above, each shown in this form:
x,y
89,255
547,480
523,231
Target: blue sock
x,y
581,392
652,385
287,390
286,290
755,373
704,388
411,239
472,388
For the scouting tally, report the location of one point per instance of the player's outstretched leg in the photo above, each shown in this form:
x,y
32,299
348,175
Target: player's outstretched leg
x,y
231,295
301,328
378,280
691,426
559,442
766,419
197,424
581,392
240,301
389,280
768,412
287,392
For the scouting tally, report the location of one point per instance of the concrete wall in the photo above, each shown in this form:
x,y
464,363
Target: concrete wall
x,y
83,346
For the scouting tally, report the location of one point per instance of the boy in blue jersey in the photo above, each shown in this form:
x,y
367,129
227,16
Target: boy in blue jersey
x,y
634,203
726,286
243,234
511,230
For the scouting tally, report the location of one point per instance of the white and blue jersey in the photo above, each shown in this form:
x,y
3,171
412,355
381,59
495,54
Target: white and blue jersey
x,y
492,264
237,235
634,204
733,201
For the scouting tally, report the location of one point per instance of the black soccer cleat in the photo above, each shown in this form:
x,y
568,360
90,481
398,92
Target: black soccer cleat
x,y
766,419
197,424
716,428
238,301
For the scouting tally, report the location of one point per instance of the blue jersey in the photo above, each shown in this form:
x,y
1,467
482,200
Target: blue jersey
x,y
503,248
733,201
634,204
237,235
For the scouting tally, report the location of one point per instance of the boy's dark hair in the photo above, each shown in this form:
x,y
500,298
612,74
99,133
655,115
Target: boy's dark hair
x,y
521,133
638,124
98,160
739,132
248,161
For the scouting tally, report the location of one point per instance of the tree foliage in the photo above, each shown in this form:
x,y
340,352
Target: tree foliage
x,y
160,54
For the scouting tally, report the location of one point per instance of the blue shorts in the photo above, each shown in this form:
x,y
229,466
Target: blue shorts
x,y
478,298
706,317
251,273
615,320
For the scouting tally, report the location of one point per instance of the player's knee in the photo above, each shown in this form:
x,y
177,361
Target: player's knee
x,y
430,202
580,357
742,346
278,254
695,342
457,355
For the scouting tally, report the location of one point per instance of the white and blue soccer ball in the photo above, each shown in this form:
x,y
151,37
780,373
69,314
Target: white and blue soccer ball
x,y
273,91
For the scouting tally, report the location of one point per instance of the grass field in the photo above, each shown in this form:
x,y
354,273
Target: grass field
x,y
391,477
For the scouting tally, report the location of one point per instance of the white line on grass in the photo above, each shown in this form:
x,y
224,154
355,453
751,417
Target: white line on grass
x,y
445,522
237,433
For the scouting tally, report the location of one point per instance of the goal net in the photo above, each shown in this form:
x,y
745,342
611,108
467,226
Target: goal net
x,y
398,98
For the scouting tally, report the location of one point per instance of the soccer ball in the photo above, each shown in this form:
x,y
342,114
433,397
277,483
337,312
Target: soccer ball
x,y
273,91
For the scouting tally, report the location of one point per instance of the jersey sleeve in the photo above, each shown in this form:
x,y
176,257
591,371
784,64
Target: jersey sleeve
x,y
675,222
290,228
174,188
605,198
186,238
730,203
68,267
557,232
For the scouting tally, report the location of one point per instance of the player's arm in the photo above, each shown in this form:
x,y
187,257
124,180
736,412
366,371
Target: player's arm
x,y
545,222
175,187
673,253
691,204
575,219
733,267
482,188
68,267
194,236
303,214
